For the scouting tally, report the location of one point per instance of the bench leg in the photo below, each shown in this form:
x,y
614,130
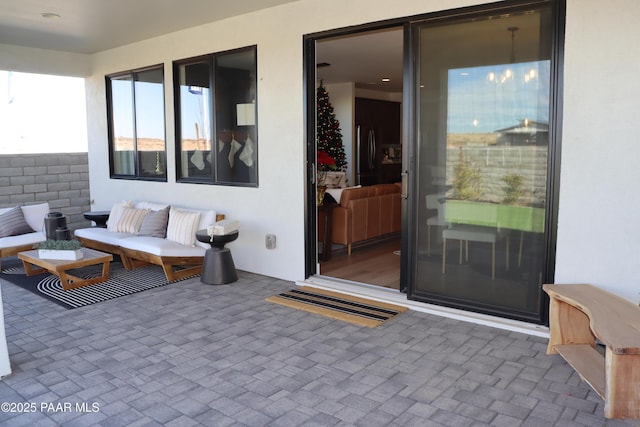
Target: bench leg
x,y
567,325
622,393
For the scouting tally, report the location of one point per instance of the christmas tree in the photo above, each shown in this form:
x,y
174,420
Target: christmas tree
x,y
328,133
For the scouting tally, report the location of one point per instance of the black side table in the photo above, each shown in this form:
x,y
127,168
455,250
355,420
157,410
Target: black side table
x,y
218,267
99,217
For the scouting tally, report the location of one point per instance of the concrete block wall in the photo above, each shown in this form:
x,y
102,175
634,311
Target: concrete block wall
x,y
62,180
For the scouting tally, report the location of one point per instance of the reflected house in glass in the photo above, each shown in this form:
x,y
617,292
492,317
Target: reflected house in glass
x,y
527,132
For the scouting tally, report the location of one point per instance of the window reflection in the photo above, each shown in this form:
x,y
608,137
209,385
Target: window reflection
x,y
195,122
235,117
484,112
122,125
136,124
150,141
217,96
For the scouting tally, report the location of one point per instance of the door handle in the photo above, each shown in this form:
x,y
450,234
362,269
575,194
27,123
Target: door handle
x,y
405,185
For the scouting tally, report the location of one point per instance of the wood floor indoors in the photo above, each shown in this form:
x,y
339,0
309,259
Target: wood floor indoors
x,y
374,264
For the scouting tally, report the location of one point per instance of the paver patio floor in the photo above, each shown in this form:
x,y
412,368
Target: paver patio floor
x,y
192,354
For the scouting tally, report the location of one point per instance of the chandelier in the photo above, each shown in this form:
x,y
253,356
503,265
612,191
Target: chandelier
x,y
508,73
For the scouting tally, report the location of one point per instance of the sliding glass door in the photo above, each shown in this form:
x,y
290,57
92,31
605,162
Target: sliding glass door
x,y
483,120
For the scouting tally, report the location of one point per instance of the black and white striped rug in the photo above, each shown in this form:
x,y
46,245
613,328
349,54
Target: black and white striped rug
x,y
121,282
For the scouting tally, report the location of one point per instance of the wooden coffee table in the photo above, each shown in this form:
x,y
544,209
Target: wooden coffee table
x,y
61,267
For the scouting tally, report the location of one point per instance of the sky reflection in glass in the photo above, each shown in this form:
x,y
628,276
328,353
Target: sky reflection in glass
x,y
488,98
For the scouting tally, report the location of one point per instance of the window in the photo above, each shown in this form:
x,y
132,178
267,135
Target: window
x,y
216,124
137,147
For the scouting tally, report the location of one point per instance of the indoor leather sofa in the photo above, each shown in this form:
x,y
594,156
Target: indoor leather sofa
x,y
365,213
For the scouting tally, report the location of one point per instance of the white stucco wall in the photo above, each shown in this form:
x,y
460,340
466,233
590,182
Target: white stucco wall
x,y
277,205
40,61
599,227
600,149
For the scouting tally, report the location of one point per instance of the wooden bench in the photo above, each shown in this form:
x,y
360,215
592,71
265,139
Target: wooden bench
x,y
578,315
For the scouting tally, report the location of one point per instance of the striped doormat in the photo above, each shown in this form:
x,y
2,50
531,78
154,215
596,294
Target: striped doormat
x,y
348,308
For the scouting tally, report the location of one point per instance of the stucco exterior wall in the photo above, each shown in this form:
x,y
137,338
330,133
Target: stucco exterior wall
x,y
599,173
598,227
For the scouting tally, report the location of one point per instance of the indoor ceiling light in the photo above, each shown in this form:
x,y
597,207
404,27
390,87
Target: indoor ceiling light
x,y
50,15
508,74
386,79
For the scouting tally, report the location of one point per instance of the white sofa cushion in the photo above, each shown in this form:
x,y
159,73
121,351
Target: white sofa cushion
x,y
150,205
103,235
207,218
23,239
34,214
161,247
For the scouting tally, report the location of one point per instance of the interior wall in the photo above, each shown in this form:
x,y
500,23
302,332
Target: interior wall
x,y
342,98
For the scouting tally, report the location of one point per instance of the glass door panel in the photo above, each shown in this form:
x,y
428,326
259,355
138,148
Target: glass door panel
x,y
483,140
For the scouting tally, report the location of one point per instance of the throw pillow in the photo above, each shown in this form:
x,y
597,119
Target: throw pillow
x,y
116,211
35,214
155,223
12,223
183,226
130,220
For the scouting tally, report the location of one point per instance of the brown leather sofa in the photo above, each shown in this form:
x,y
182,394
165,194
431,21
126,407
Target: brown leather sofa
x,y
366,213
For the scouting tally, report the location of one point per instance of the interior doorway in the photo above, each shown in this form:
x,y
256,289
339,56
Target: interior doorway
x,y
363,76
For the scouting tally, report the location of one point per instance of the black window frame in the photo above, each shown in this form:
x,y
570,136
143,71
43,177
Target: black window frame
x,y
138,174
214,178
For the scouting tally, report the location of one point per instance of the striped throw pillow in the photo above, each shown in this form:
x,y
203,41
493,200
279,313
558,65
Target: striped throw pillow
x,y
130,220
12,223
182,226
116,211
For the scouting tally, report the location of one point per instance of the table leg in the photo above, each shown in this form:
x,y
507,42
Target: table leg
x,y
69,281
31,270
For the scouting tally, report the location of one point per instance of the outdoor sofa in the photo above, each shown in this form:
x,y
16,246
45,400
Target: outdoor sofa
x,y
143,233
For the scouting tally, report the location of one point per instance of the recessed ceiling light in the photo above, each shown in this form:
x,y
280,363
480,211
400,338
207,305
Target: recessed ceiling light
x,y
386,79
50,15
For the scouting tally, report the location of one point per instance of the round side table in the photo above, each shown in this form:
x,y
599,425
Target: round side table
x,y
218,267
99,217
